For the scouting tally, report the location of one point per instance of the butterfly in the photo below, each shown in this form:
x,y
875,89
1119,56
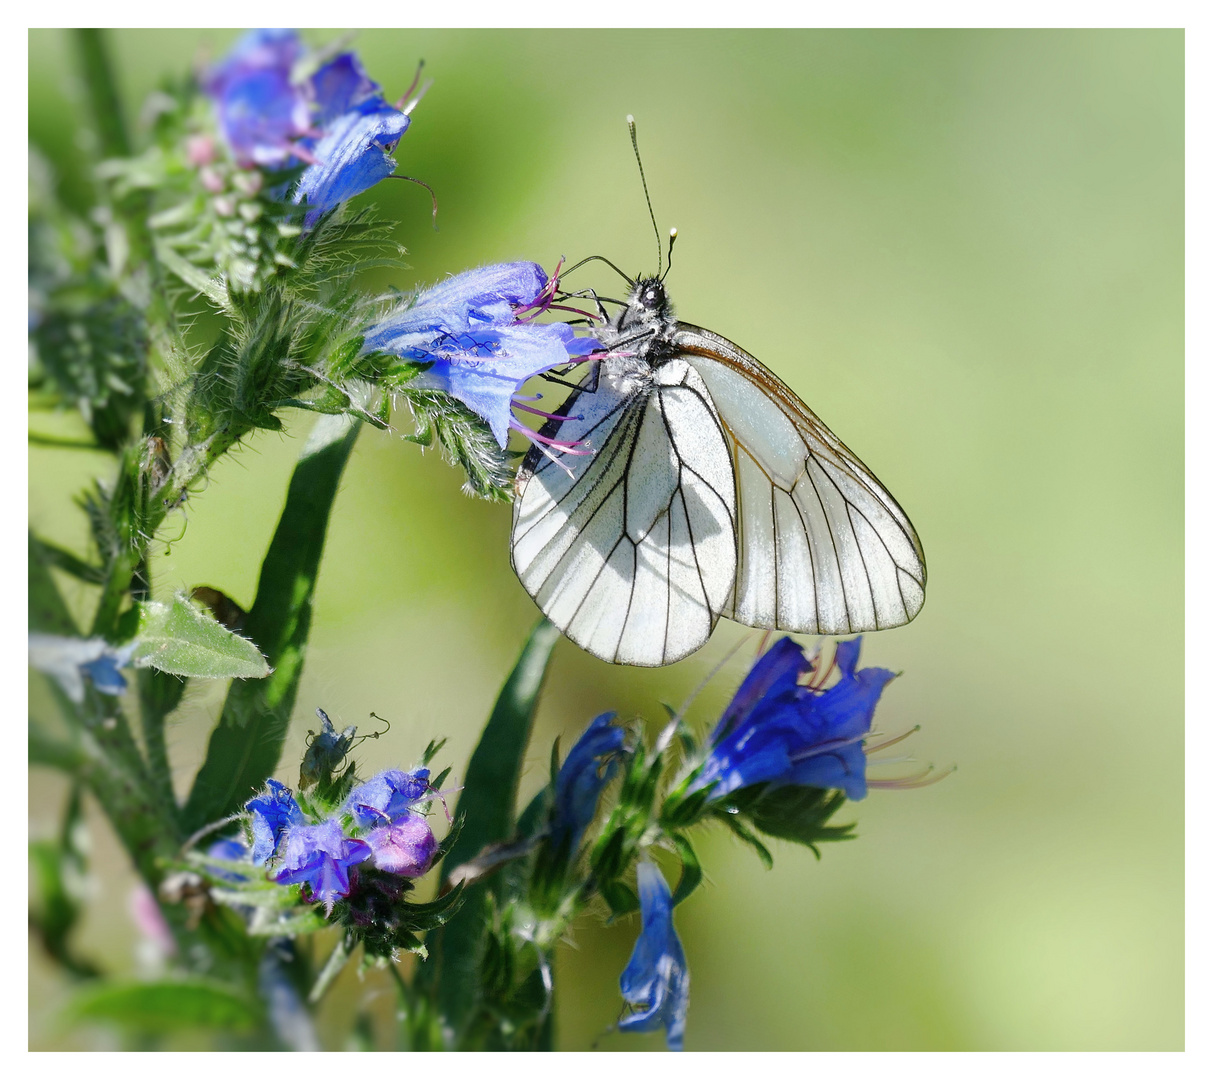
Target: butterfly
x,y
711,491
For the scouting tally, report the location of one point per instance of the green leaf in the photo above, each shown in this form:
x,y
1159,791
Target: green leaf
x,y
490,788
48,613
490,793
182,639
212,288
619,897
245,747
745,834
692,872
168,1005
54,555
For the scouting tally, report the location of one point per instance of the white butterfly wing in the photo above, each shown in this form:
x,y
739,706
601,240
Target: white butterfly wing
x,y
632,551
823,547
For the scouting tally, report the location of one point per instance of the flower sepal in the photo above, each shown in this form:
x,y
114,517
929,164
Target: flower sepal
x,y
630,823
789,812
381,917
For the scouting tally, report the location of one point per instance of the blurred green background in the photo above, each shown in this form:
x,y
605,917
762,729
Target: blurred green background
x,y
965,251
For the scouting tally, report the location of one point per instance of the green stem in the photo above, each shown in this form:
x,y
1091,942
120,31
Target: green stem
x,y
141,276
101,92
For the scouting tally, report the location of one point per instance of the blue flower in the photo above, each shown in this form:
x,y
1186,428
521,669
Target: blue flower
x,y
590,764
388,797
780,729
69,661
261,112
656,980
271,814
337,121
476,331
320,856
229,850
406,848
359,131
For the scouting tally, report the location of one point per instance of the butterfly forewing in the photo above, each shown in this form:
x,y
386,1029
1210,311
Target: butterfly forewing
x,y
631,551
823,548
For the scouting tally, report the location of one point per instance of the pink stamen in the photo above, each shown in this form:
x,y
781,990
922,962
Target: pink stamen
x,y
407,107
412,86
554,459
304,154
922,779
575,310
566,447
823,748
520,403
543,300
877,747
816,683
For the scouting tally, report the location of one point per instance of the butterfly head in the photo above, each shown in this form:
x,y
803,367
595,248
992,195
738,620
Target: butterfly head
x,y
647,318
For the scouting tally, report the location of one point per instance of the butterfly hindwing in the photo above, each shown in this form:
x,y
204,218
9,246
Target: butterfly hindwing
x,y
631,551
823,547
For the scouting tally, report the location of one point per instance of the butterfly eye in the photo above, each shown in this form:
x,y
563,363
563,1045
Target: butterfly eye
x,y
652,297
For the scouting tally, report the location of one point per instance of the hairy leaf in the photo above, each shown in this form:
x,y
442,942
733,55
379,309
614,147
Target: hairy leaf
x,y
181,639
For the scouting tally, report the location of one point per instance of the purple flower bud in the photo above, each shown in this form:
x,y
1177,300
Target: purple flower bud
x,y
261,113
337,121
406,848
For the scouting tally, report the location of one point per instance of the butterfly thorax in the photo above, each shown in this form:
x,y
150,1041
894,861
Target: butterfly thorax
x,y
645,326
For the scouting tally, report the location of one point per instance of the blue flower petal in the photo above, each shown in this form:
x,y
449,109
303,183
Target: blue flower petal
x,y
270,814
656,980
69,661
339,87
319,856
388,797
466,328
778,732
587,769
353,155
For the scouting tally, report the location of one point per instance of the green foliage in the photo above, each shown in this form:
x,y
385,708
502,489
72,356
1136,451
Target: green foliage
x,y
169,1005
692,872
181,639
88,340
48,614
791,812
617,846
58,872
244,748
384,920
464,439
487,807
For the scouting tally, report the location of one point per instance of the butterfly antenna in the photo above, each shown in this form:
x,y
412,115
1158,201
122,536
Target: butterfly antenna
x,y
669,258
644,184
599,258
